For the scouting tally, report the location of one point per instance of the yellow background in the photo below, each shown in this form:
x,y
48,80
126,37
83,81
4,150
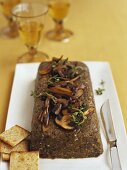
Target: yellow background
x,y
100,34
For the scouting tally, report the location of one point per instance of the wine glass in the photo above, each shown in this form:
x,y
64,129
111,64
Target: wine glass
x,y
30,21
6,6
58,10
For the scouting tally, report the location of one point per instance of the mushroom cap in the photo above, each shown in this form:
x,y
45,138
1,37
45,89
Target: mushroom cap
x,y
64,122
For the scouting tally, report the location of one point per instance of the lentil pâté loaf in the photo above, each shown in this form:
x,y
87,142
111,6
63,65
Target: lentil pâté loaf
x,y
65,123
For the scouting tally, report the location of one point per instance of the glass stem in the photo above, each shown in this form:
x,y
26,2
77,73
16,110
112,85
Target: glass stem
x,y
32,51
59,26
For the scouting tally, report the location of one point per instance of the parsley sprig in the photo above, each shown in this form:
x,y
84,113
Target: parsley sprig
x,y
101,89
78,116
35,94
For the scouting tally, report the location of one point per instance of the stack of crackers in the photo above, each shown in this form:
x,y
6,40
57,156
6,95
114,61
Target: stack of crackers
x,y
14,148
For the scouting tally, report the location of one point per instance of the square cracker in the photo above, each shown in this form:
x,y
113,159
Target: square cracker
x,y
14,135
5,156
22,146
24,160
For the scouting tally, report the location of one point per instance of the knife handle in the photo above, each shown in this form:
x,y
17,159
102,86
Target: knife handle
x,y
116,165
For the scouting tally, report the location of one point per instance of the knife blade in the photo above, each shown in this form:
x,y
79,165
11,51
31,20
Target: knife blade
x,y
110,135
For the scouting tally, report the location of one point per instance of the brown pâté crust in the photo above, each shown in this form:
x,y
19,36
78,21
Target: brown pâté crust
x,y
81,142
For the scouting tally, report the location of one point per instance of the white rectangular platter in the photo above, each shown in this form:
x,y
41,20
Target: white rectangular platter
x,y
21,109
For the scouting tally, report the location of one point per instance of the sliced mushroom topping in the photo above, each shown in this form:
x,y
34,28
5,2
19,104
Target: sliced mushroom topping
x,y
61,70
61,90
47,101
89,111
46,69
61,73
40,117
65,112
46,113
57,59
59,106
64,122
44,116
74,79
62,83
64,102
79,93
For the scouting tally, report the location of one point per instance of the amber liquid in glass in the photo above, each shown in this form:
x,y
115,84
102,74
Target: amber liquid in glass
x,y
31,33
58,10
7,5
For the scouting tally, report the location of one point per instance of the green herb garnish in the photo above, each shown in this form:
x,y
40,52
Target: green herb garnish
x,y
99,91
55,78
102,82
76,70
37,95
78,116
54,99
65,61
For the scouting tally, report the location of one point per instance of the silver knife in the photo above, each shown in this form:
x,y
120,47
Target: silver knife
x,y
110,134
